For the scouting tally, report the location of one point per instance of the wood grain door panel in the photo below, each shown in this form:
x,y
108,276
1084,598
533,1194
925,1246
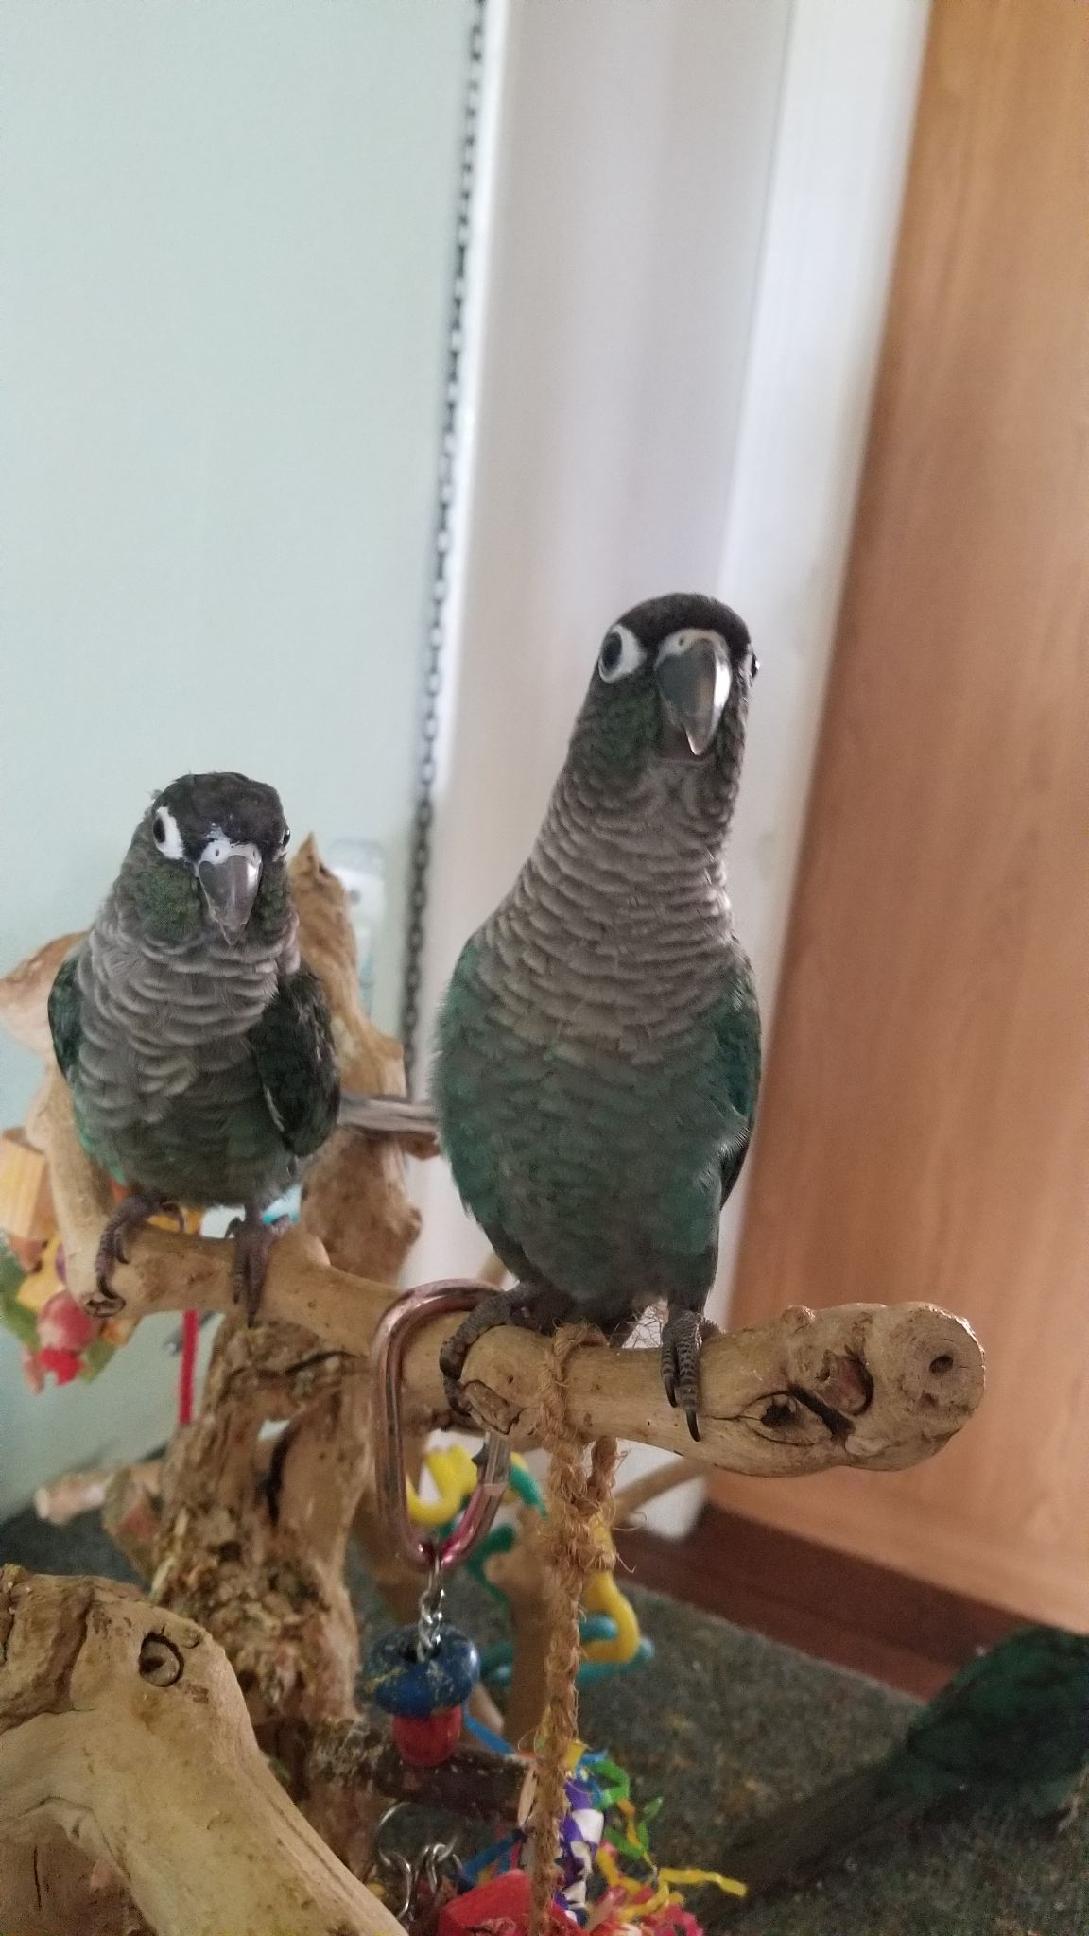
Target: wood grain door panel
x,y
924,1128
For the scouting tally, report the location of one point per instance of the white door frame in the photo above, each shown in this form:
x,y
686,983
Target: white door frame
x,y
684,231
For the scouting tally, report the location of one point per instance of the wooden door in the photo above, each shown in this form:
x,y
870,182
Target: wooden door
x,y
924,1128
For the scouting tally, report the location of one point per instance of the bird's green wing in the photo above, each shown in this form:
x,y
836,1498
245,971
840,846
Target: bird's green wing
x,y
292,1046
64,1019
737,1063
1019,1713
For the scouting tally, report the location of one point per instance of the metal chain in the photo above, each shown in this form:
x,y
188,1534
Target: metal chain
x,y
429,718
432,1599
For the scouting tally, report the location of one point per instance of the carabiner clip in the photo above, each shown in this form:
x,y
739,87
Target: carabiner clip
x,y
388,1348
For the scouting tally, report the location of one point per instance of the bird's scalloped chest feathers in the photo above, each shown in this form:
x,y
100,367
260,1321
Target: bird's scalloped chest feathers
x,y
166,1088
598,1053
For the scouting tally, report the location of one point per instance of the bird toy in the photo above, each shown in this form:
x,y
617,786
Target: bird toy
x,y
607,1878
421,1674
612,1641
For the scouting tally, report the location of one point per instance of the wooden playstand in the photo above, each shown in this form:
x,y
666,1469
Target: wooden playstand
x,y
138,1734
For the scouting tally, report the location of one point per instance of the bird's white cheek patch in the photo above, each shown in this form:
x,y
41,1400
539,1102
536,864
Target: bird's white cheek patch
x,y
167,834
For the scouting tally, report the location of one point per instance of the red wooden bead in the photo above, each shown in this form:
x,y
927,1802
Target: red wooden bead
x,y
424,1743
500,1907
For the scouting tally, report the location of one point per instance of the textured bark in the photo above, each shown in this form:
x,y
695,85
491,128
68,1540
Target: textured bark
x,y
124,1727
471,1782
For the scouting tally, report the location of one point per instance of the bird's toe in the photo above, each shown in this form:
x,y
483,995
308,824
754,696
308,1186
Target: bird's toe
x,y
681,1338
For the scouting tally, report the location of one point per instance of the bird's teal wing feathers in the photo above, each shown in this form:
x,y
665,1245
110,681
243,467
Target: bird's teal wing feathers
x,y
64,1017
472,1079
551,1153
292,1046
737,1062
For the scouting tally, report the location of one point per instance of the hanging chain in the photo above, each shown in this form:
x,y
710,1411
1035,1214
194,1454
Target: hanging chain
x,y
429,1621
429,718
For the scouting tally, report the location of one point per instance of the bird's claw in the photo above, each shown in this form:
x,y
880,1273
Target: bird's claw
x,y
452,1358
130,1214
534,1307
103,1303
682,1336
253,1240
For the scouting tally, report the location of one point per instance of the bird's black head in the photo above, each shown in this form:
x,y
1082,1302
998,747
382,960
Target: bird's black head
x,y
211,849
671,683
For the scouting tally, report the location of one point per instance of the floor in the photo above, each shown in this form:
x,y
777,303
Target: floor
x,y
724,1726
827,1604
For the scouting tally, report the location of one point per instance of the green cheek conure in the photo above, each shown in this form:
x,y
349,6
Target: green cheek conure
x,y
195,1042
1012,1727
599,1043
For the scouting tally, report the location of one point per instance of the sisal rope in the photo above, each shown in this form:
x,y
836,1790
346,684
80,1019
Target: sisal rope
x,y
579,1501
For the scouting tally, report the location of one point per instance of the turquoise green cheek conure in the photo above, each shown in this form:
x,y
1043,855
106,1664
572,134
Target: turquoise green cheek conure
x,y
195,1042
599,1043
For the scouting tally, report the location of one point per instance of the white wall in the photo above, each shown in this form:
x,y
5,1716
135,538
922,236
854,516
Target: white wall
x,y
226,234
691,226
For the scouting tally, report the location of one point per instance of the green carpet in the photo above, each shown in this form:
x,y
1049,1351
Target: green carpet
x,y
724,1725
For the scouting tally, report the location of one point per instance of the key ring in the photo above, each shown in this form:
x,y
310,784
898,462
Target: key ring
x,y
391,1338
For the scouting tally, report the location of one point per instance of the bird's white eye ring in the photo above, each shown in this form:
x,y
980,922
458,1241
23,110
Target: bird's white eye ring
x,y
166,834
620,655
284,843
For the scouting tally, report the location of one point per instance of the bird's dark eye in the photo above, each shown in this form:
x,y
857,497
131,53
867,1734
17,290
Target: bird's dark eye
x,y
285,841
754,665
620,655
158,828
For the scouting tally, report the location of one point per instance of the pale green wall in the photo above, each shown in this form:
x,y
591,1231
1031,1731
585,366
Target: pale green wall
x,y
225,242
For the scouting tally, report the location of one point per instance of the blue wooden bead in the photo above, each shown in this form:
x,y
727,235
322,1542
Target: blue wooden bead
x,y
401,1683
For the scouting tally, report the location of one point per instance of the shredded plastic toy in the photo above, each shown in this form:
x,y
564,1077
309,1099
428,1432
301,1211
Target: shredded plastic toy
x,y
609,1880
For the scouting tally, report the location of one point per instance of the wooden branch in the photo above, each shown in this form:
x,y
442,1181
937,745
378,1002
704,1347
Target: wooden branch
x,y
490,1787
50,1887
24,995
860,1385
630,1499
522,1574
125,1727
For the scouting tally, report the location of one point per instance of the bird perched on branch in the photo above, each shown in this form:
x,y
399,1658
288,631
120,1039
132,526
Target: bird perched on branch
x,y
196,1044
599,1043
1013,1726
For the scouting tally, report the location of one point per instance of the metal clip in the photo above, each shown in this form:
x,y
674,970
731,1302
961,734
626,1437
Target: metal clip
x,y
390,1342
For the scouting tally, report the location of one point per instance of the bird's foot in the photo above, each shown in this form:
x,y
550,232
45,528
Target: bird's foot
x,y
131,1214
683,1334
535,1307
253,1241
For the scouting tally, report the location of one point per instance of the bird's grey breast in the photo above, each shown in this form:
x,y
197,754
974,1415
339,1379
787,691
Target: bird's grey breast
x,y
617,935
156,1021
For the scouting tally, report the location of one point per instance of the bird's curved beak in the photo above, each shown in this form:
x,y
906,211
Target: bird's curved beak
x,y
229,873
693,675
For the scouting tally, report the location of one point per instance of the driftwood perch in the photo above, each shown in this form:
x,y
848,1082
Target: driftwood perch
x,y
875,1386
247,1534
124,1727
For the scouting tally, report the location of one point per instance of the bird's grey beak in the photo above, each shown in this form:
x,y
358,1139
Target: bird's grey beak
x,y
693,674
229,876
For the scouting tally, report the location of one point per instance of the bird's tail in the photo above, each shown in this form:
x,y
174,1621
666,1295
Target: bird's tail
x,y
798,1838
